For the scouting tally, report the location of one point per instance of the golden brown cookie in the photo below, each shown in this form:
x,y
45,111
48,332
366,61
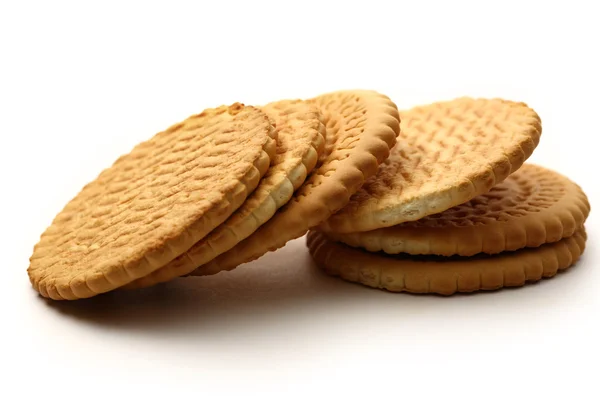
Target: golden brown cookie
x,y
300,141
446,276
447,153
361,127
531,207
153,203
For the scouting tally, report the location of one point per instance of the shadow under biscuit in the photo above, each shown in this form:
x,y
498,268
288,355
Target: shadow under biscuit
x,y
285,291
277,286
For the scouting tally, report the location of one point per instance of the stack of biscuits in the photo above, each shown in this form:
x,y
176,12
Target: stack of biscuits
x,y
455,208
436,199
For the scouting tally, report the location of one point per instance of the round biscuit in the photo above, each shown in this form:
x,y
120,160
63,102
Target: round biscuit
x,y
447,153
153,203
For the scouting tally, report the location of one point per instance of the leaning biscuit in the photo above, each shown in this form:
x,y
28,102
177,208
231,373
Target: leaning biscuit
x,y
300,142
446,276
154,203
531,207
361,128
447,153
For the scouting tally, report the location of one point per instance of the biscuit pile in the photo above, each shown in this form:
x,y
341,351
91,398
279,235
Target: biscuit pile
x,y
435,199
455,209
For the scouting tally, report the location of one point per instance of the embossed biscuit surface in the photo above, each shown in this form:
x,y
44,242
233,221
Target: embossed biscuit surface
x,y
531,207
447,153
153,203
300,142
361,127
446,276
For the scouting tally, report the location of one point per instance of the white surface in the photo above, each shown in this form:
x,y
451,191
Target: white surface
x,y
79,85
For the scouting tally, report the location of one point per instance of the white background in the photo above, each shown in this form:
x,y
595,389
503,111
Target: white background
x,y
82,84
